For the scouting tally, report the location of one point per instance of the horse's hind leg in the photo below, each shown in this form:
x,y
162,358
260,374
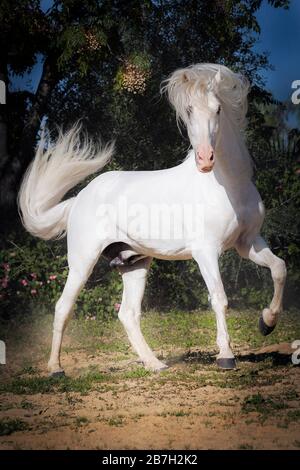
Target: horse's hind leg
x,y
260,253
134,281
77,277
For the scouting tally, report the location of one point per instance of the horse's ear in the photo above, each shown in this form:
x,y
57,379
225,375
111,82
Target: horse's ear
x,y
185,78
215,81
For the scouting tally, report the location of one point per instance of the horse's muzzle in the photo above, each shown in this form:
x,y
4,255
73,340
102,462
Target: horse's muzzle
x,y
205,160
204,168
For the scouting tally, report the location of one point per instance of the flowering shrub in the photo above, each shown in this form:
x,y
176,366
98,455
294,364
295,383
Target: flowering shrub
x,y
35,272
133,74
25,274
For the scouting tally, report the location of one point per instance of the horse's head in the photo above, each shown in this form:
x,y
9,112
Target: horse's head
x,y
199,94
203,121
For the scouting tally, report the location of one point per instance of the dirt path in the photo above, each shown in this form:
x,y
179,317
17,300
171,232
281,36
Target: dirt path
x,y
110,402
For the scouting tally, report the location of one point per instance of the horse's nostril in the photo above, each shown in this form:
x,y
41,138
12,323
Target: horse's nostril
x,y
211,157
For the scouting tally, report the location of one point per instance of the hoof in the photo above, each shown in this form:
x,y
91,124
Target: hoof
x,y
58,374
161,368
157,368
264,328
226,363
116,263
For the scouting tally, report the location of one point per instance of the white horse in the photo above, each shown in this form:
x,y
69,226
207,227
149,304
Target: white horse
x,y
213,185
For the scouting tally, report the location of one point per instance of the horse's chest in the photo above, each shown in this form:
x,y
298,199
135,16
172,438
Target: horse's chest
x,y
226,218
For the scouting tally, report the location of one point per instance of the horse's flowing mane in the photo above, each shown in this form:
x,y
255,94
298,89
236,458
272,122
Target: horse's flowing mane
x,y
188,85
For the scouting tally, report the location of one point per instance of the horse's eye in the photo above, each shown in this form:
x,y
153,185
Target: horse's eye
x,y
189,110
219,110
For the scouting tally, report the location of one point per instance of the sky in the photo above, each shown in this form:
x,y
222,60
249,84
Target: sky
x,y
280,37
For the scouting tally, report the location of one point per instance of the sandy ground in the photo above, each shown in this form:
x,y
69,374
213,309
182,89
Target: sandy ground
x,y
191,406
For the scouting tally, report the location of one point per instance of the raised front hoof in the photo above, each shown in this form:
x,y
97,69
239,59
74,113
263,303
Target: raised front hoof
x,y
264,328
59,374
226,363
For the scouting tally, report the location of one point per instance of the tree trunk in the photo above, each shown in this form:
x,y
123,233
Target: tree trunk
x,y
3,119
48,81
14,168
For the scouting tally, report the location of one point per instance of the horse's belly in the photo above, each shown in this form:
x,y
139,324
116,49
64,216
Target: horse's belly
x,y
162,249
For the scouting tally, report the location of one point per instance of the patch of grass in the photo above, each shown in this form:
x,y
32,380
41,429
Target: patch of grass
x,y
198,328
9,426
243,328
81,420
180,414
99,335
29,370
182,377
184,329
245,447
177,414
290,394
116,421
263,405
34,385
247,376
7,406
137,373
26,405
293,415
137,416
62,414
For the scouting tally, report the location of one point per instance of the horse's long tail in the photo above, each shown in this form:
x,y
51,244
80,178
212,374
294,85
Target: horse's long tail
x,y
54,170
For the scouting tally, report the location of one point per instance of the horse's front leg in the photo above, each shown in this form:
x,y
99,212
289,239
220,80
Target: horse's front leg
x,y
259,252
207,259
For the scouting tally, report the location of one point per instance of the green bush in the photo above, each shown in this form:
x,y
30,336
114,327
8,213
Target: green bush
x,y
34,272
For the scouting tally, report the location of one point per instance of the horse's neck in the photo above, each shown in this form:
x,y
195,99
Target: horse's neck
x,y
233,164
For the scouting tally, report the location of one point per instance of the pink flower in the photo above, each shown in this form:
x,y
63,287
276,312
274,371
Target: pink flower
x,y
41,283
6,266
24,282
33,275
4,282
52,277
117,307
33,291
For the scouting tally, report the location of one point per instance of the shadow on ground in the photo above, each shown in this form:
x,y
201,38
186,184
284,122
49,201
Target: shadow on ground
x,y
206,358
